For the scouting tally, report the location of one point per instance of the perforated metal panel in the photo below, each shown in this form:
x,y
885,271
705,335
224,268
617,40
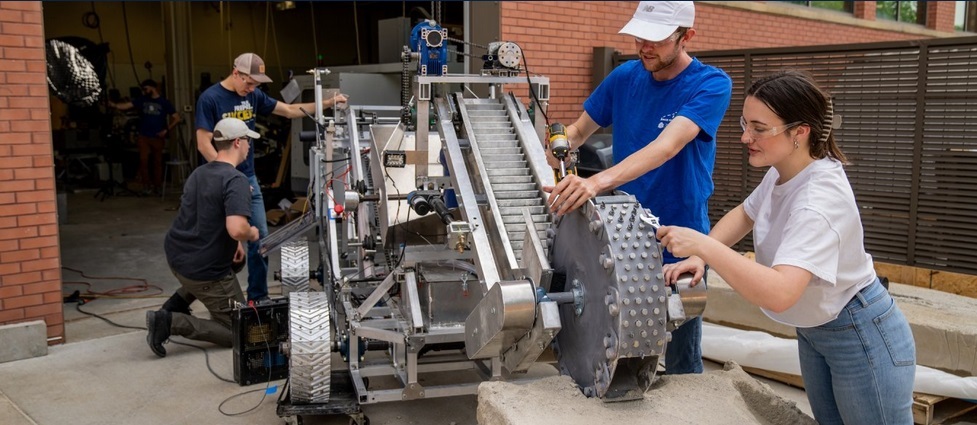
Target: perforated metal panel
x,y
908,111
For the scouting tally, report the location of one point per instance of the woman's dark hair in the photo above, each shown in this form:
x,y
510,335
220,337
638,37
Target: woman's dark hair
x,y
795,96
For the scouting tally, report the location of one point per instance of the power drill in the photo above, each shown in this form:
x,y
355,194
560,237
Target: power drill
x,y
559,145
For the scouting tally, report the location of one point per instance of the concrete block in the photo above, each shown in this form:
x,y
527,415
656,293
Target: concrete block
x,y
23,340
728,396
726,307
942,323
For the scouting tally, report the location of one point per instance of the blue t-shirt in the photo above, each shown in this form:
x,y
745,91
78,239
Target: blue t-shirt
x,y
153,114
217,103
639,107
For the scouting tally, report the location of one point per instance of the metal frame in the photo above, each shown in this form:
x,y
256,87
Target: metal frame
x,y
504,323
401,321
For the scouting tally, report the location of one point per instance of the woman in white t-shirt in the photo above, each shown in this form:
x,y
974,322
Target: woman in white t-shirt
x,y
857,353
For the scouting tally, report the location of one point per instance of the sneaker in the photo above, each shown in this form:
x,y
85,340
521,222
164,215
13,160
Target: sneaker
x,y
158,327
260,300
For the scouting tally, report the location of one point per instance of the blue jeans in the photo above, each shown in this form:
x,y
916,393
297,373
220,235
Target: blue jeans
x,y
257,265
860,367
684,353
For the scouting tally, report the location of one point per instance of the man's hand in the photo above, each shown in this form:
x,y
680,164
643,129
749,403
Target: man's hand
x,y
553,162
338,101
240,254
571,193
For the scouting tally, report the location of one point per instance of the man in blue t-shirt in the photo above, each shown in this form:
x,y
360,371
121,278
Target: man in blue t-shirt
x,y
157,117
238,96
666,108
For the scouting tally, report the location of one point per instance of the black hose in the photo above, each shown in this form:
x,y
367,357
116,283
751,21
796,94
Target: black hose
x,y
132,62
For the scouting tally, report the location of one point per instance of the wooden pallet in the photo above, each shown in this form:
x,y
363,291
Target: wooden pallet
x,y
927,409
934,409
786,378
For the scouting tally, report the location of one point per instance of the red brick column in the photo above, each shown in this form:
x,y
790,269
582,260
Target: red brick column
x,y
864,10
940,14
30,256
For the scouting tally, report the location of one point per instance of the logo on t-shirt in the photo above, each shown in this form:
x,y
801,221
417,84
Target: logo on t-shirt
x,y
150,108
664,120
244,111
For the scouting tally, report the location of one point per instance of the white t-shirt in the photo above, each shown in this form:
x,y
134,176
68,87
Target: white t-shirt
x,y
812,222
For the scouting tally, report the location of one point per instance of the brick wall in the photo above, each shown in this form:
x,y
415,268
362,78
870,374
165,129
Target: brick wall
x,y
558,38
30,259
864,10
940,14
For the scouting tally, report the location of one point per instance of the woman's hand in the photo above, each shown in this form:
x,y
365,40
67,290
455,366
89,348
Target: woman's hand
x,y
693,265
681,241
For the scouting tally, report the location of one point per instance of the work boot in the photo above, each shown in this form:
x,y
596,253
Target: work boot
x,y
158,327
178,304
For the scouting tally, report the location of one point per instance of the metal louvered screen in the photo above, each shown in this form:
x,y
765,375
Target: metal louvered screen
x,y
908,112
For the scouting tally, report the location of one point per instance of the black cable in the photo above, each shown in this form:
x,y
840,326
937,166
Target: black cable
x,y
206,359
318,125
132,61
403,252
401,259
220,407
533,92
206,353
78,307
92,20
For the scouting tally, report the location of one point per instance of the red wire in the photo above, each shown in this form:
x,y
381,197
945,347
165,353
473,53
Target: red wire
x,y
117,292
337,178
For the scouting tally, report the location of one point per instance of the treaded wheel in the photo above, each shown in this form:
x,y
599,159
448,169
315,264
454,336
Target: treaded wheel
x,y
310,347
295,266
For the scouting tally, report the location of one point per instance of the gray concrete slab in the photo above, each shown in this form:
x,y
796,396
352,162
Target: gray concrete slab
x,y
728,395
942,323
23,340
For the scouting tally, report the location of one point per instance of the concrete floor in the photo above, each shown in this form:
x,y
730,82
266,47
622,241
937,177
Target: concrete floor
x,y
105,374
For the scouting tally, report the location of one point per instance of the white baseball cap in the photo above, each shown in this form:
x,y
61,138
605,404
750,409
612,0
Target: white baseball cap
x,y
232,128
656,20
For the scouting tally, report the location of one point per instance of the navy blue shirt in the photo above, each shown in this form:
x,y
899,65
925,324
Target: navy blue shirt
x,y
153,114
217,103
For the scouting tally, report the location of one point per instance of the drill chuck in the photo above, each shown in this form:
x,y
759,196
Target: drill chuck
x,y
559,145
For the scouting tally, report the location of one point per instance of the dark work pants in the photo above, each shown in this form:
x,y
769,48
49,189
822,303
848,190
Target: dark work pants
x,y
217,296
